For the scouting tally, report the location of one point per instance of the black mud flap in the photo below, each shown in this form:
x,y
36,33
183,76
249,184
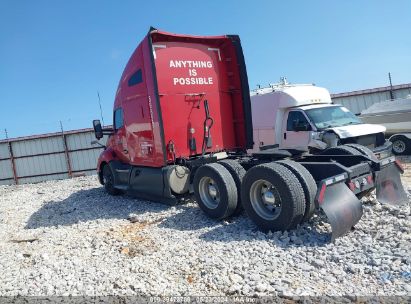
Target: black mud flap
x,y
389,187
342,208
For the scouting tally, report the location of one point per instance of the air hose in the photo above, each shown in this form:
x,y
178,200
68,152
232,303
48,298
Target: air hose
x,y
208,123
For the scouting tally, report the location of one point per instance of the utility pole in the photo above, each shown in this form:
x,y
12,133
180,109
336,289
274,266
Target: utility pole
x,y
7,135
66,151
391,90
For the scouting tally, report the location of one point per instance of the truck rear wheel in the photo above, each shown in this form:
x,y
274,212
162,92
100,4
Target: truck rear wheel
x,y
400,145
341,150
273,197
237,172
108,181
307,182
215,191
363,150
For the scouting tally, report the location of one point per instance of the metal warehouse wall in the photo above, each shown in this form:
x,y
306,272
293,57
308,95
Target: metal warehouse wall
x,y
357,101
48,157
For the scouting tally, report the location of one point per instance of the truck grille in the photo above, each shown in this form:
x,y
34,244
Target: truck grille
x,y
371,141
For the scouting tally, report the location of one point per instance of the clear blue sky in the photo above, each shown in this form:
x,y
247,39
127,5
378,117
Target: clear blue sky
x,y
56,55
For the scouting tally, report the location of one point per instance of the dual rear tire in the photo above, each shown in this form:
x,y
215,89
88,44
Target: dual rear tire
x,y
215,191
351,149
237,172
276,196
273,197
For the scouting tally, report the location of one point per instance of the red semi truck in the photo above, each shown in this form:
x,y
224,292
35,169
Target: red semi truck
x,y
182,125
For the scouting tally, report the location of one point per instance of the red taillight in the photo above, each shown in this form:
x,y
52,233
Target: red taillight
x,y
351,185
322,192
369,179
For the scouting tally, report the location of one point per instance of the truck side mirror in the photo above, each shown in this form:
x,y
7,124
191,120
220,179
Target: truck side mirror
x,y
301,126
98,130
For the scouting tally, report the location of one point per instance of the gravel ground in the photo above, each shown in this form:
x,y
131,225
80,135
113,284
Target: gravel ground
x,y
70,238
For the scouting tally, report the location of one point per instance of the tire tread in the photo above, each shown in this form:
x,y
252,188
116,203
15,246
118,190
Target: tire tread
x,y
237,172
226,180
287,183
363,150
406,141
343,150
307,182
110,187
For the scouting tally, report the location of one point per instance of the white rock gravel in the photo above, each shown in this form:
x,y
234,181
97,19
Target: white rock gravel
x,y
70,238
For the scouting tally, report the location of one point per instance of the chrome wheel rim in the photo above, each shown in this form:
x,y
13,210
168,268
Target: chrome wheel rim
x,y
398,146
209,192
265,199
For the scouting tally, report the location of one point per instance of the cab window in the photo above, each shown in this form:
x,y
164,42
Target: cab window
x,y
118,119
136,78
295,118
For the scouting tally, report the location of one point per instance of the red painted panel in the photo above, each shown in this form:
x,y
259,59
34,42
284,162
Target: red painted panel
x,y
142,132
188,73
159,158
137,114
178,73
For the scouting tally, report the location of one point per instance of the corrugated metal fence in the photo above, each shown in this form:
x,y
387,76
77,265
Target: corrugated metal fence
x,y
358,101
48,157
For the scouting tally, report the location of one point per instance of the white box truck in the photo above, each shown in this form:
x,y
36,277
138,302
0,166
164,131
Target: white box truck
x,y
302,117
